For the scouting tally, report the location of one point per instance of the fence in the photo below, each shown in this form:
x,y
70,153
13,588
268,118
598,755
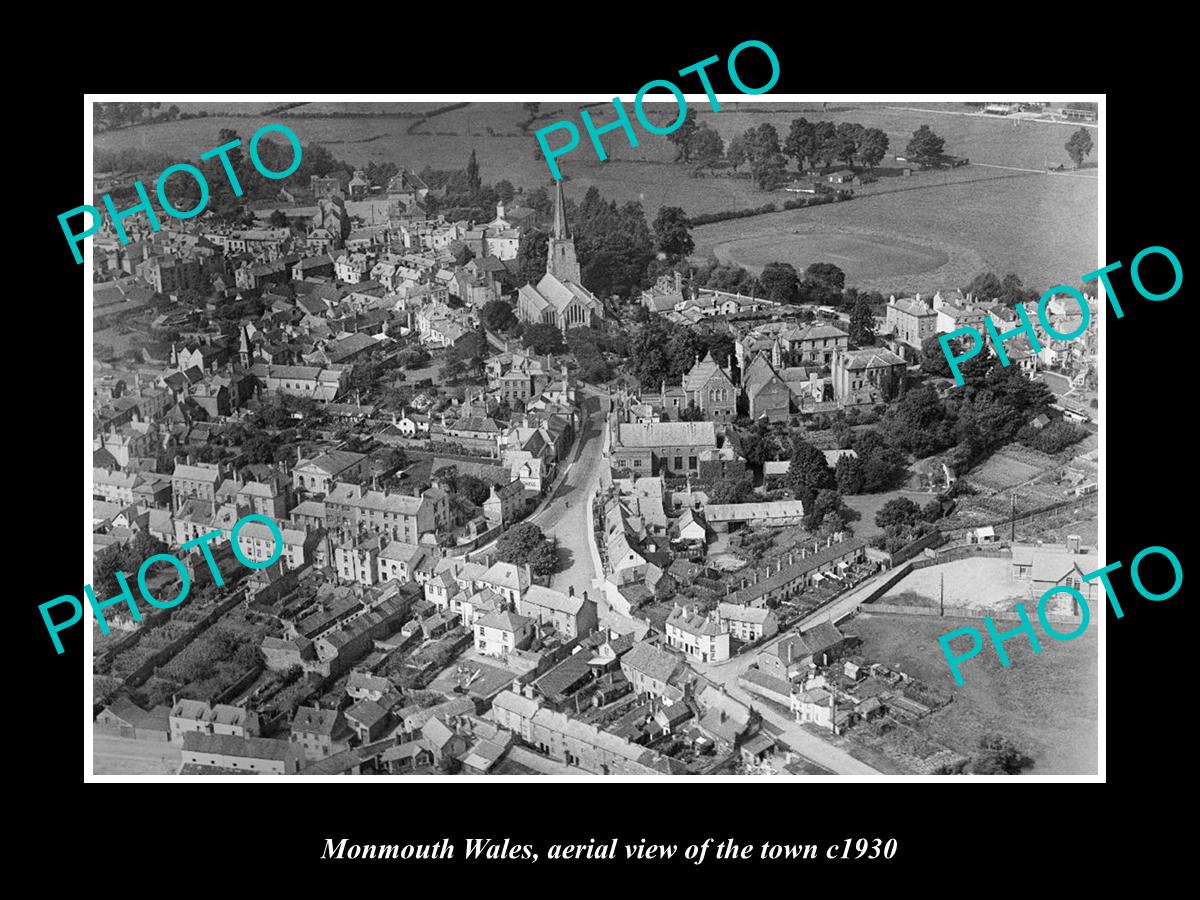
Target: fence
x,y
959,612
162,657
763,691
240,685
1028,515
888,583
945,556
908,551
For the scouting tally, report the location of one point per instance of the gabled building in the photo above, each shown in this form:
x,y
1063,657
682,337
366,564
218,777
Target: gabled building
x,y
911,320
767,395
867,376
559,298
572,616
709,388
703,637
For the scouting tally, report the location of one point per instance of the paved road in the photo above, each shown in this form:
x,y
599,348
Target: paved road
x,y
112,755
803,742
565,516
1022,117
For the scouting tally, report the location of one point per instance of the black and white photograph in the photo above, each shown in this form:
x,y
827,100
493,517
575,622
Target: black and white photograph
x,y
551,438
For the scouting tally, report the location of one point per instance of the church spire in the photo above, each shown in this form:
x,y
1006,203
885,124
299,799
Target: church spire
x,y
560,250
561,232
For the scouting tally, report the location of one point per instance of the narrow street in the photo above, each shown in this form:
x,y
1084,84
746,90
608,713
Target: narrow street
x,y
565,517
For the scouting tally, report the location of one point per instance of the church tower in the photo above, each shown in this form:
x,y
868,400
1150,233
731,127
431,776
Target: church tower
x,y
560,258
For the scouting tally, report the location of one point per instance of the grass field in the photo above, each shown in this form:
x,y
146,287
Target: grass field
x,y
934,230
1041,227
1045,702
867,505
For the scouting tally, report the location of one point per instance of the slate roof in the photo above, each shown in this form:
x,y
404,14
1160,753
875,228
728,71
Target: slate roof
x,y
311,720
652,661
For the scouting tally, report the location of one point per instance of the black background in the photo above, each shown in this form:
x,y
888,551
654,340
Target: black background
x,y
962,837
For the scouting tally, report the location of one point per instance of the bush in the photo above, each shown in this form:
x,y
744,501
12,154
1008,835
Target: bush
x,y
709,218
1055,437
999,756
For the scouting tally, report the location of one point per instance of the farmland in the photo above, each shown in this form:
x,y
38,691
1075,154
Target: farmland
x,y
1045,702
931,231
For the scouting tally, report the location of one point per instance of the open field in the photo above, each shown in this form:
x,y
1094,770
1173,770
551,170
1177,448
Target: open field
x,y
979,583
867,505
931,231
1041,227
863,256
1002,471
1045,702
981,139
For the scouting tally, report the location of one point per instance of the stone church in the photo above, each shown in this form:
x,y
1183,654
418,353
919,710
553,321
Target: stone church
x,y
559,299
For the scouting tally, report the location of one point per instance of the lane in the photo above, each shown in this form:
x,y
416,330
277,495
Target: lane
x,y
113,755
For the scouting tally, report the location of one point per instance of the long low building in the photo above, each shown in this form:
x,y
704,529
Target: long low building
x,y
798,574
576,743
256,755
773,514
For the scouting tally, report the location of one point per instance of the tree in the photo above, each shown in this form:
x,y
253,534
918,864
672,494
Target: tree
x,y
731,490
537,200
873,147
925,146
999,756
461,252
682,136
933,359
671,232
473,489
504,190
769,172
862,323
779,282
825,143
801,142
474,182
850,475
827,275
543,339
917,423
849,135
762,142
898,511
808,471
524,543
497,316
531,258
706,147
278,219
822,285
826,503
736,153
1079,145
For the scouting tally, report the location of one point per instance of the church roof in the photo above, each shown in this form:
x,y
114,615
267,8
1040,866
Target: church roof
x,y
559,294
